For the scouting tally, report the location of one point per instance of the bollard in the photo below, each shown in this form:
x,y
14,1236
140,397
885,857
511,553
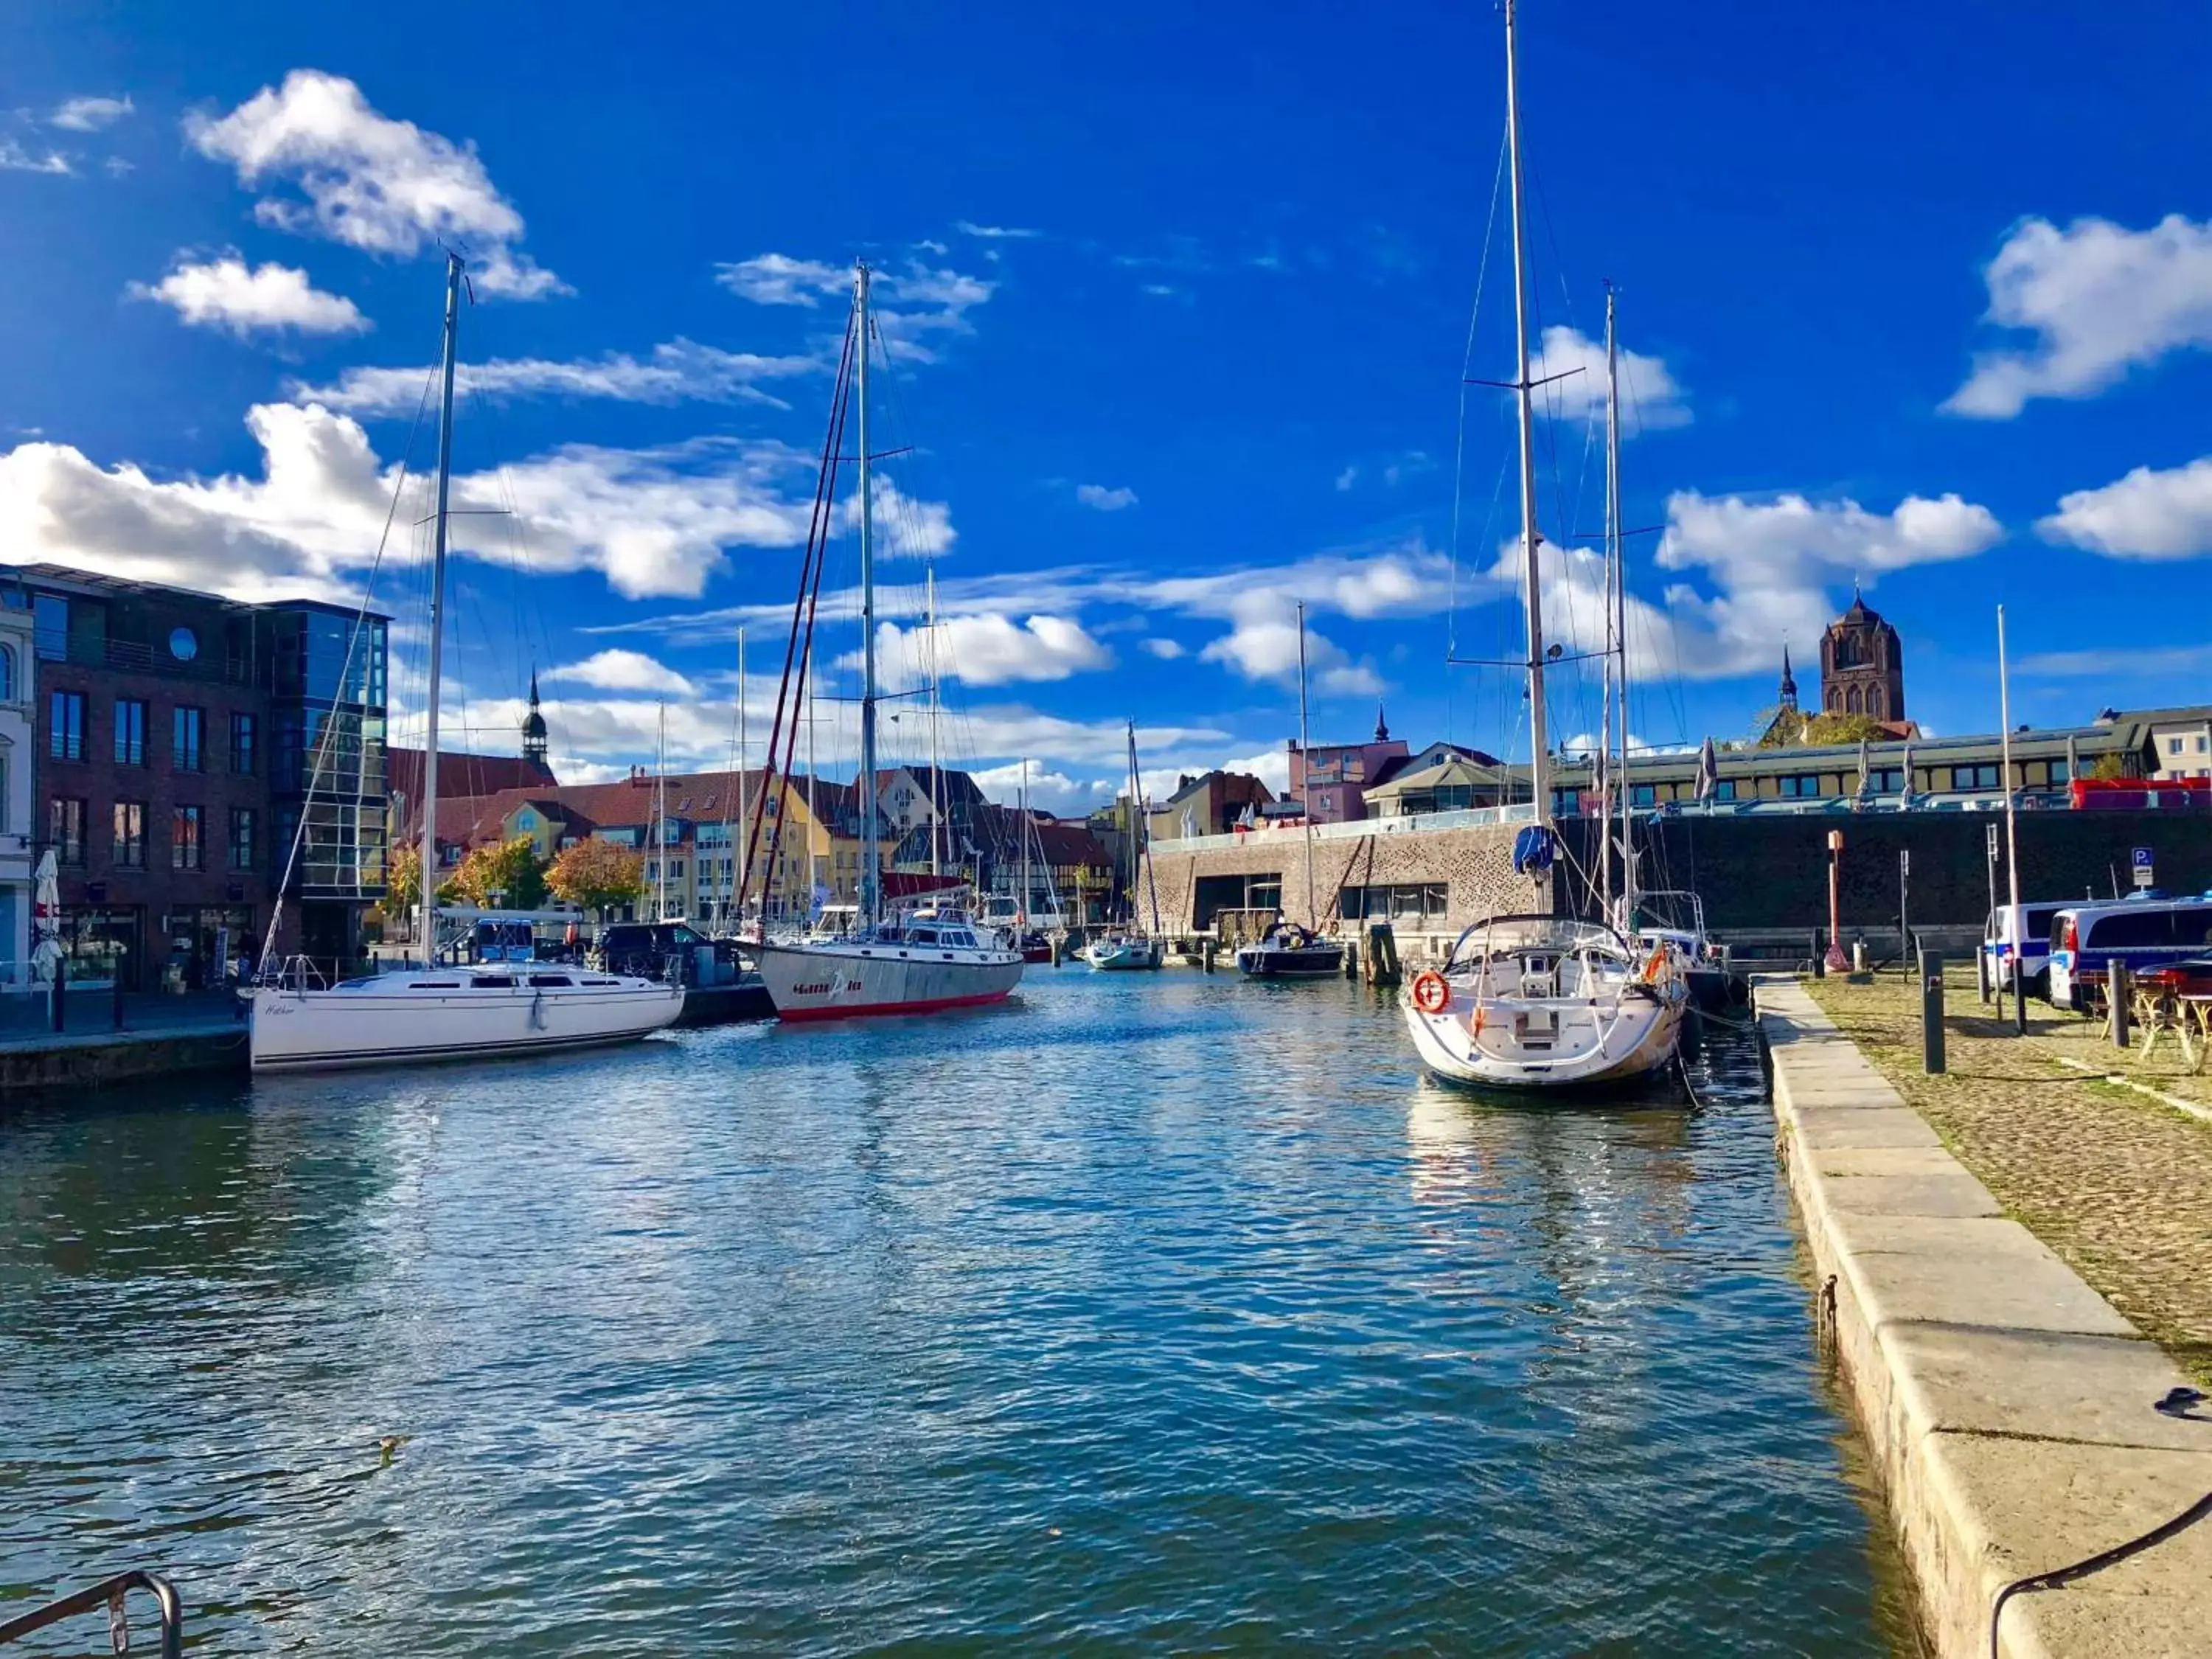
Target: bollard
x,y
60,992
1205,956
1858,955
1931,1011
1820,956
2116,1003
1982,976
1350,960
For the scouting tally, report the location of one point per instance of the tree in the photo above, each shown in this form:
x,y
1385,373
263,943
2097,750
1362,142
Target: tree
x,y
512,870
2110,769
403,880
1786,728
596,875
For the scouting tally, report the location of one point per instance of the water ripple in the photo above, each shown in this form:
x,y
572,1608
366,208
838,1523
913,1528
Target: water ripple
x,y
1161,1313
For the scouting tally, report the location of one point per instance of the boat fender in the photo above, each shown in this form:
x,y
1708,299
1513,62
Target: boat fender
x,y
538,1011
1432,994
1652,968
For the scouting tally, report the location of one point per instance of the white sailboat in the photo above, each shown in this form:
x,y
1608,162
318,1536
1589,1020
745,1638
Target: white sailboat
x,y
1131,949
903,965
455,1012
1287,951
1533,1001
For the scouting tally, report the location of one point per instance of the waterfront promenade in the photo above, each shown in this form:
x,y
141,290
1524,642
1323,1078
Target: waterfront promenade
x,y
105,1041
2021,1424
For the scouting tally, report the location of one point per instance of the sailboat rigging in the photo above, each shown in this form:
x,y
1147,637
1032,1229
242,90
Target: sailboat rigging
x,y
1132,947
453,1010
1531,1000
1288,950
924,962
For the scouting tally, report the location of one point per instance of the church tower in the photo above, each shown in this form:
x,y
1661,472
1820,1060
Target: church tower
x,y
1788,695
533,726
1861,666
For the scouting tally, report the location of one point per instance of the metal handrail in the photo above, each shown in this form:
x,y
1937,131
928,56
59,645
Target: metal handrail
x,y
110,1593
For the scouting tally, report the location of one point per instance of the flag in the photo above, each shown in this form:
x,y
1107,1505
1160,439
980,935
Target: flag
x,y
1866,775
1904,772
1708,770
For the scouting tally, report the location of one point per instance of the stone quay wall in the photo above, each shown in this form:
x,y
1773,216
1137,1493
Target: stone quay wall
x,y
1475,865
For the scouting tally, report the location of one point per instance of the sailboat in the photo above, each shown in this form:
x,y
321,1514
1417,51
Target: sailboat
x,y
887,965
1287,951
453,1011
1531,1001
1129,948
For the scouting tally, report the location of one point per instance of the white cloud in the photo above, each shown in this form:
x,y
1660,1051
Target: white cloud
x,y
1267,649
677,371
270,297
988,649
116,167
2099,298
1165,650
2144,662
1651,400
996,232
622,671
2148,514
1346,479
14,158
906,526
909,302
1105,500
650,522
1050,791
373,183
1271,766
90,114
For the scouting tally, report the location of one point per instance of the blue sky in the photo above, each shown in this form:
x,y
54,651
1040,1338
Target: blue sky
x,y
1179,303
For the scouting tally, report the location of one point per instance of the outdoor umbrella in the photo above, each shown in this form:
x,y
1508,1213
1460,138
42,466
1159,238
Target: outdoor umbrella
x,y
46,917
1709,771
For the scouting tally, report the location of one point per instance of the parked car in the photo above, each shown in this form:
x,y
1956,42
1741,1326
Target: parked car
x,y
658,950
2021,933
2144,930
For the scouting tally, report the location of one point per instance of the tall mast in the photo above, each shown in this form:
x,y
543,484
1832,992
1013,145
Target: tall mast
x,y
936,760
870,877
426,874
1539,739
660,820
812,823
1616,614
1023,912
745,834
1313,910
2012,830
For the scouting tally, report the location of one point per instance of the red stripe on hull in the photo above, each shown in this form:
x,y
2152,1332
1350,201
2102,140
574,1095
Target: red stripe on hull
x,y
925,1007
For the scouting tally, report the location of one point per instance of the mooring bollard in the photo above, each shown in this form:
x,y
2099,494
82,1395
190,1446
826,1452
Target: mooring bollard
x,y
2116,1002
1931,1011
60,991
1981,975
116,990
1205,956
1350,960
1820,956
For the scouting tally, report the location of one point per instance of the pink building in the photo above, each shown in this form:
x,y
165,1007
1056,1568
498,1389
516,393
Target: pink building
x,y
1337,776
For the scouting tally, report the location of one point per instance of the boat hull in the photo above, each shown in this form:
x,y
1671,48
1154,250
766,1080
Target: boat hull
x,y
1309,962
848,982
1596,1043
1125,955
296,1030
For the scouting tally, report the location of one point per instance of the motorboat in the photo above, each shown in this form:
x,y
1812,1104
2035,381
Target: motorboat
x,y
1287,951
1533,1001
1124,952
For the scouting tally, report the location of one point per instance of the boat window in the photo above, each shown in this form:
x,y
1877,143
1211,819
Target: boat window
x,y
437,985
923,935
968,939
495,982
602,982
543,980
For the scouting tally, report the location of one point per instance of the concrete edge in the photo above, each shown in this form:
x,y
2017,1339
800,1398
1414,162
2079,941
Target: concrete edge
x,y
1979,1366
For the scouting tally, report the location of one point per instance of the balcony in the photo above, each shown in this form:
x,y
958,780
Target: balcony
x,y
130,656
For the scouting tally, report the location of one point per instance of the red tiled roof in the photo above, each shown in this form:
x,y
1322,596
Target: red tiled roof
x,y
462,774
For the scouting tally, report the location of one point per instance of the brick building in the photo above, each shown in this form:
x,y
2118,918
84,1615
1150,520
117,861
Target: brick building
x,y
181,739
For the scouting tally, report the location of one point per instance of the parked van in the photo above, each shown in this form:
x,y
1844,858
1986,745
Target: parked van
x,y
2020,932
2141,932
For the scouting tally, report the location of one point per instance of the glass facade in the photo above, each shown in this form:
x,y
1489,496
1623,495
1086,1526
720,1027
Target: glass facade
x,y
327,751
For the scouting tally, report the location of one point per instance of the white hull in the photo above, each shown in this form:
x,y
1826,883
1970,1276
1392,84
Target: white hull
x,y
1124,955
838,981
1550,1043
414,1016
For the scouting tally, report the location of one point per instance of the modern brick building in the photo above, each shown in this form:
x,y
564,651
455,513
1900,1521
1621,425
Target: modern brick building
x,y
181,740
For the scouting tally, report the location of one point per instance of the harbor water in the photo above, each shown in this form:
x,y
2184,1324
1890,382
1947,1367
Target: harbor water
x,y
1149,1313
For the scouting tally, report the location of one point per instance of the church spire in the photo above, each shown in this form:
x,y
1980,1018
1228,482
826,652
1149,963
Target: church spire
x,y
533,725
1789,691
1381,726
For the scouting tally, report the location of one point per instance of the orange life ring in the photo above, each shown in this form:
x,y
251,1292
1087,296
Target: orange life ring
x,y
1431,995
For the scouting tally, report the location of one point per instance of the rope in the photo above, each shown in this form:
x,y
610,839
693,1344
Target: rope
x,y
2058,1577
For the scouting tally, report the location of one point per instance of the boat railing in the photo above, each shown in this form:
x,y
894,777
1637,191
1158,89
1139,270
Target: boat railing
x,y
295,973
111,1594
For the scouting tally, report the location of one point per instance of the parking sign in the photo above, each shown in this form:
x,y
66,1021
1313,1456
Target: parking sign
x,y
2141,860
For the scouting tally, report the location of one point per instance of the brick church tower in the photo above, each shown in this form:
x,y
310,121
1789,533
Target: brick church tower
x,y
1861,666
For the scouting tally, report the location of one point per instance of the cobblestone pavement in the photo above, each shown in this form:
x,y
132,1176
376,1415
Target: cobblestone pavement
x,y
2114,1181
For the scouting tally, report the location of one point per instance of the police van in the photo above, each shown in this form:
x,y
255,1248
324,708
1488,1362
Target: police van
x,y
2144,930
2018,934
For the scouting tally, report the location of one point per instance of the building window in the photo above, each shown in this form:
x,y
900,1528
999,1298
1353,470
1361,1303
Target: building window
x,y
65,719
7,674
1566,803
50,627
2173,745
65,829
2059,774
1800,785
1724,789
1974,777
187,727
130,834
1412,902
185,850
1642,795
130,731
1884,780
242,735
241,838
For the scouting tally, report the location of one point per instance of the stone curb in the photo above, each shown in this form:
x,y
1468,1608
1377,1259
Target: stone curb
x,y
2009,1406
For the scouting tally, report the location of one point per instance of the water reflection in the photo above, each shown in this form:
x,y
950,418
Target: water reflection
x,y
1162,1311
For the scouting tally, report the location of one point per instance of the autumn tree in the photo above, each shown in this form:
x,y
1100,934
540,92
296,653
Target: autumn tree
x,y
511,869
596,875
403,880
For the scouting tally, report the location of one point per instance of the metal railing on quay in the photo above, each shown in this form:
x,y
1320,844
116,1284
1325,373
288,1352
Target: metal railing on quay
x,y
1475,817
111,1594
